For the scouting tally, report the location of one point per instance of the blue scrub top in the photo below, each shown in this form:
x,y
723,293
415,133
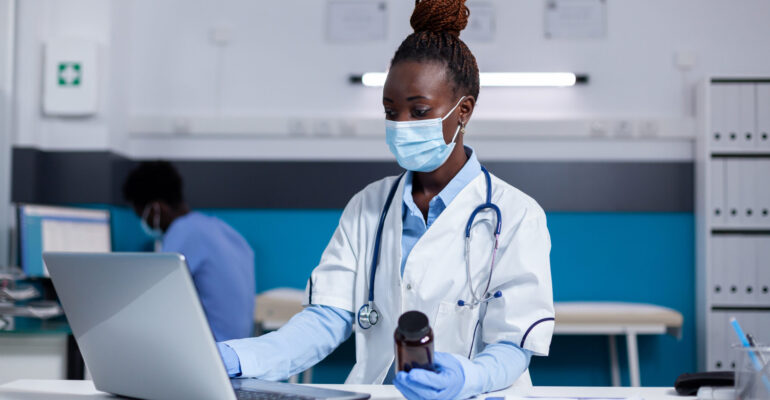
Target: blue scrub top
x,y
221,263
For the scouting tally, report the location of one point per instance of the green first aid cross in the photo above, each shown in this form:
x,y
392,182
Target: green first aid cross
x,y
69,74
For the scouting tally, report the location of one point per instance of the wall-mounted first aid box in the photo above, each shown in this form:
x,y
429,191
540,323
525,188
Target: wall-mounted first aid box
x,y
70,76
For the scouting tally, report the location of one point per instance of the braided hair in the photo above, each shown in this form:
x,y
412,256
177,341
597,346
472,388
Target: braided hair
x,y
436,38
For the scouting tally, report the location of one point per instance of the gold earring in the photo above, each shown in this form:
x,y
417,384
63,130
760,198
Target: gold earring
x,y
462,129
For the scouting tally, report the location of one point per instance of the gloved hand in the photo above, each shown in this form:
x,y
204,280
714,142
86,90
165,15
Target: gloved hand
x,y
230,359
446,383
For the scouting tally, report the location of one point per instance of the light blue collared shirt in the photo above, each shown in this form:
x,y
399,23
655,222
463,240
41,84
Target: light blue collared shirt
x,y
414,224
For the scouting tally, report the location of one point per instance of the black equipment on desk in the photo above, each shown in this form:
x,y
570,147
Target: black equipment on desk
x,y
688,384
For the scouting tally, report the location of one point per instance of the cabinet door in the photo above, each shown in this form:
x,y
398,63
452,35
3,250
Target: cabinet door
x,y
719,270
748,200
744,185
763,115
716,353
762,183
734,186
746,125
720,96
747,270
717,182
762,249
732,110
732,272
719,346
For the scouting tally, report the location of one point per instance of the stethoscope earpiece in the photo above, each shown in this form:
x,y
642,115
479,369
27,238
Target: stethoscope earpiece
x,y
498,294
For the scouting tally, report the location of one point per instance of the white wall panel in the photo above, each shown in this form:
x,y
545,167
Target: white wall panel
x,y
37,21
279,62
160,62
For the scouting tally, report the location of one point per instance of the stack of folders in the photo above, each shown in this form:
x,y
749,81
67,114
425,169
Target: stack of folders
x,y
740,192
740,116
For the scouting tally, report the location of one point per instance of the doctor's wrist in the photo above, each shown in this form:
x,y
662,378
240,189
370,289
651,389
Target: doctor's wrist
x,y
475,378
230,359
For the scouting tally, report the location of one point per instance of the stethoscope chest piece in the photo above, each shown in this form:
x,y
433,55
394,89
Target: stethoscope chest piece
x,y
367,316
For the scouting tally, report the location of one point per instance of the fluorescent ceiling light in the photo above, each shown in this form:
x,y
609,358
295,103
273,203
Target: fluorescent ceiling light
x,y
496,79
376,79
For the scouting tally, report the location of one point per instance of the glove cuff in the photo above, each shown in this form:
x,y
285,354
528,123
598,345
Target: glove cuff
x,y
475,377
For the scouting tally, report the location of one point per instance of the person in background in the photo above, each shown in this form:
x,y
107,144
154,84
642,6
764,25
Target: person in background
x,y
220,260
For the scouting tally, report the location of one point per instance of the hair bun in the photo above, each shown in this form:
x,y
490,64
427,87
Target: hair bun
x,y
440,16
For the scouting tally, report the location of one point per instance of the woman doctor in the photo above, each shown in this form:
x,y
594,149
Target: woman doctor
x,y
489,315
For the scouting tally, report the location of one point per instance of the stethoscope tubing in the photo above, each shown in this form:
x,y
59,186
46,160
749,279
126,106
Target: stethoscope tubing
x,y
367,315
365,312
378,238
476,300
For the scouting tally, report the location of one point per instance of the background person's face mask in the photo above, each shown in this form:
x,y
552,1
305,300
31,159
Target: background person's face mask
x,y
154,232
419,145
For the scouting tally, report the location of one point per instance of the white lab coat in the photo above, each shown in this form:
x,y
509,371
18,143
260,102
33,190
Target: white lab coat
x,y
435,275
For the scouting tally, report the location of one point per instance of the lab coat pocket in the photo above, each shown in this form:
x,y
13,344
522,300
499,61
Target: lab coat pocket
x,y
454,328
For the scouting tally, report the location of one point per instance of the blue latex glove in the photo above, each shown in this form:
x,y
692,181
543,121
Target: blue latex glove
x,y
446,383
230,359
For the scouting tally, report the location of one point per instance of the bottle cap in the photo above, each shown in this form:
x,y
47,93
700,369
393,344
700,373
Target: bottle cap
x,y
413,325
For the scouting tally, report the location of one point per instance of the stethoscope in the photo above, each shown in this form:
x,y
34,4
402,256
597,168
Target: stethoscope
x,y
368,316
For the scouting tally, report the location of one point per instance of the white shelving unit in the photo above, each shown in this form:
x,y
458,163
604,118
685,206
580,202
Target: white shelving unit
x,y
732,215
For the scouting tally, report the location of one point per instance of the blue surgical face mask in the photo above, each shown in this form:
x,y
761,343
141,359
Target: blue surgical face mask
x,y
154,232
419,145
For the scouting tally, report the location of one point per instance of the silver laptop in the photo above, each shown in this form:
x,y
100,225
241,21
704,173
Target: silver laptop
x,y
142,331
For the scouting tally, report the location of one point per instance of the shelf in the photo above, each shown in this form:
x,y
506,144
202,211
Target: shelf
x,y
758,153
740,231
749,80
732,163
740,308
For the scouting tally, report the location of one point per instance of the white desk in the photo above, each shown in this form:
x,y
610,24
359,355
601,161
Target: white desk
x,y
612,319
84,390
275,307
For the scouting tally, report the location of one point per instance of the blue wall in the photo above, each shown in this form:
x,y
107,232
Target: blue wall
x,y
641,257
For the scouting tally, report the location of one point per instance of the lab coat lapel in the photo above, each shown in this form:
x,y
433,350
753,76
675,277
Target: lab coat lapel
x,y
373,356
440,251
388,280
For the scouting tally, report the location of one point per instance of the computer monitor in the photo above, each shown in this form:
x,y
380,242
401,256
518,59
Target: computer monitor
x,y
61,229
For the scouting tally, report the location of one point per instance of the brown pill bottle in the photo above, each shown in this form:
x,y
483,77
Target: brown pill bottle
x,y
414,342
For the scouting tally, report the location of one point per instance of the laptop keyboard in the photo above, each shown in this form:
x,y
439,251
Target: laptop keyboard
x,y
259,395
